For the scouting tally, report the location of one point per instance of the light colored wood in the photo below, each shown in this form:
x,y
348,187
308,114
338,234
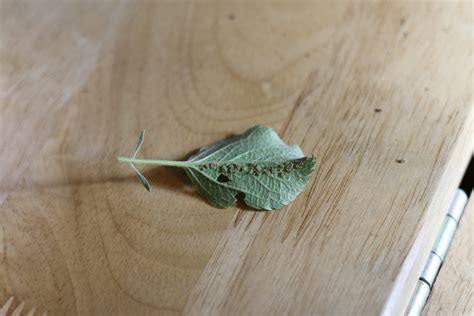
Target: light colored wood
x,y
5,309
79,79
453,292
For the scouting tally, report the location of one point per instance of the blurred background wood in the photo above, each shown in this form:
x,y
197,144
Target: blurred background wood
x,y
380,92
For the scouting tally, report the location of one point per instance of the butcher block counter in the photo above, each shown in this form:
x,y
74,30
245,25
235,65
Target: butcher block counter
x,y
381,93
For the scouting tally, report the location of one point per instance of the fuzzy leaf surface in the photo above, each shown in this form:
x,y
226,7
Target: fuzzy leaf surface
x,y
258,164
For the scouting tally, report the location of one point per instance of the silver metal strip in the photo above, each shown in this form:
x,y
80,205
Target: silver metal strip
x,y
437,254
431,269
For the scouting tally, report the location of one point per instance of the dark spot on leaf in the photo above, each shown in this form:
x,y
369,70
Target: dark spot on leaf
x,y
223,169
378,110
231,16
400,160
223,178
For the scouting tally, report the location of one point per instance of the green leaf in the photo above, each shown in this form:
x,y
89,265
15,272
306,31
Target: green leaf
x,y
257,163
141,178
141,138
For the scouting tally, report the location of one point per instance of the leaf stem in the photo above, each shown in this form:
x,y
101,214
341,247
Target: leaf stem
x,y
181,164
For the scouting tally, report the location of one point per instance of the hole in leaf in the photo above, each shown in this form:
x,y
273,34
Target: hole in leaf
x,y
240,196
241,202
223,178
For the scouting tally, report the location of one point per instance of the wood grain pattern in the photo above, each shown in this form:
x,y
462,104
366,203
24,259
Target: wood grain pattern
x,y
453,292
380,92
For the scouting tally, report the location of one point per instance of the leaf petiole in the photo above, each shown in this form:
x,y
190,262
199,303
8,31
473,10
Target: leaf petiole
x,y
182,164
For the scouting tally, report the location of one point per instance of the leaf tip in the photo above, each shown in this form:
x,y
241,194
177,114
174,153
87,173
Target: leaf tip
x,y
144,182
141,138
141,178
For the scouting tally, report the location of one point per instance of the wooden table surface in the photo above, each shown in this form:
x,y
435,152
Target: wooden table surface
x,y
381,93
